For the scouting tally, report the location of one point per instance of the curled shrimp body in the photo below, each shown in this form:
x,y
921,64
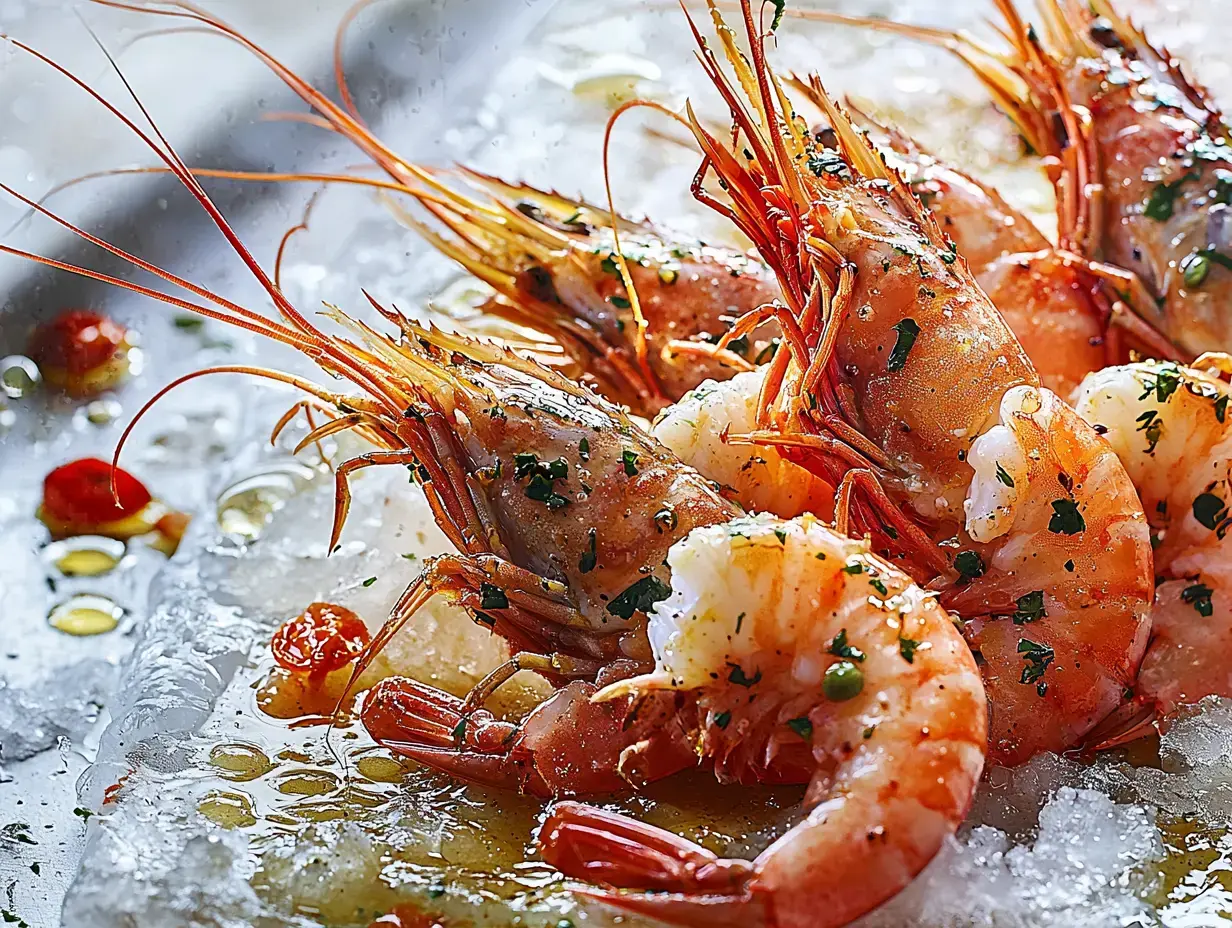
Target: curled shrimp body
x,y
1169,424
561,511
1055,309
1139,157
708,429
903,386
794,648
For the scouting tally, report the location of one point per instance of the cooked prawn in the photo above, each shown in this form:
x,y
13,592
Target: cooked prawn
x,y
1169,424
1140,157
902,385
794,648
560,508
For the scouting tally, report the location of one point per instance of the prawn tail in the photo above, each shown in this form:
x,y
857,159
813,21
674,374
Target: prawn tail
x,y
681,882
1128,722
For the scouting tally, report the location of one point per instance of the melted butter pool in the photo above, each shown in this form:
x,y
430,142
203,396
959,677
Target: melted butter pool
x,y
346,830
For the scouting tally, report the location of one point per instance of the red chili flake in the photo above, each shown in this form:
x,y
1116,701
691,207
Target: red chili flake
x,y
77,341
79,493
320,639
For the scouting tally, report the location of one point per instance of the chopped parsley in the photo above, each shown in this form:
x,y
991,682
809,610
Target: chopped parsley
x,y
840,648
1166,380
1004,477
620,302
629,460
722,720
639,597
740,678
1209,509
969,565
879,586
1066,519
1152,426
1030,608
1221,408
369,582
854,568
908,330
1162,201
907,648
1038,657
459,731
492,597
584,449
1198,595
802,727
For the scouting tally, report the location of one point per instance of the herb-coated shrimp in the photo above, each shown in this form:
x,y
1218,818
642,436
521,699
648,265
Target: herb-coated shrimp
x,y
1141,155
793,647
1170,426
558,267
560,508
901,384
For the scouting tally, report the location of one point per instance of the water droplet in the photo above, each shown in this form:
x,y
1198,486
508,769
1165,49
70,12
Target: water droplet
x,y
230,810
240,761
102,412
246,507
19,376
85,555
86,614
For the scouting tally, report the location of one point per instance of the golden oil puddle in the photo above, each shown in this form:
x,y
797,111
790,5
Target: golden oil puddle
x,y
228,809
86,614
85,555
245,508
240,761
1193,883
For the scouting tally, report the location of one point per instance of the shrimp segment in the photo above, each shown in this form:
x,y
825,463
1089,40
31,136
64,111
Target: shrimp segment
x,y
907,389
560,508
797,649
1170,427
1142,152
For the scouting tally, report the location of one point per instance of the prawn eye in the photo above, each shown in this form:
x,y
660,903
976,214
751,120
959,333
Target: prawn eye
x,y
842,681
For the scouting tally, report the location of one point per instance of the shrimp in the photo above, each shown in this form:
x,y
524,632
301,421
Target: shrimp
x,y
638,307
1141,155
793,647
560,508
1169,424
901,385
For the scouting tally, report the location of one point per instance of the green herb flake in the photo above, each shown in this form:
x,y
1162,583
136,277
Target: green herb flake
x,y
492,597
1209,510
1066,519
84,814
854,568
1030,608
1162,201
740,678
722,720
524,464
879,586
188,323
1152,428
584,449
908,330
620,302
907,648
840,648
802,727
1004,477
969,565
1038,657
369,582
1221,408
639,597
459,731
629,460
1164,383
1198,595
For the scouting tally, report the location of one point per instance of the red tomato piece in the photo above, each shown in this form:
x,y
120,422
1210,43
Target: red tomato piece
x,y
77,341
79,493
321,639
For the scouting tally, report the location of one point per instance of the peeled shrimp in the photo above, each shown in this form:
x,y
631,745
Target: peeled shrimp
x,y
1169,424
794,648
901,384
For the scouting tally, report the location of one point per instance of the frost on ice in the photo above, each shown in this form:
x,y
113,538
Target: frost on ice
x,y
34,718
